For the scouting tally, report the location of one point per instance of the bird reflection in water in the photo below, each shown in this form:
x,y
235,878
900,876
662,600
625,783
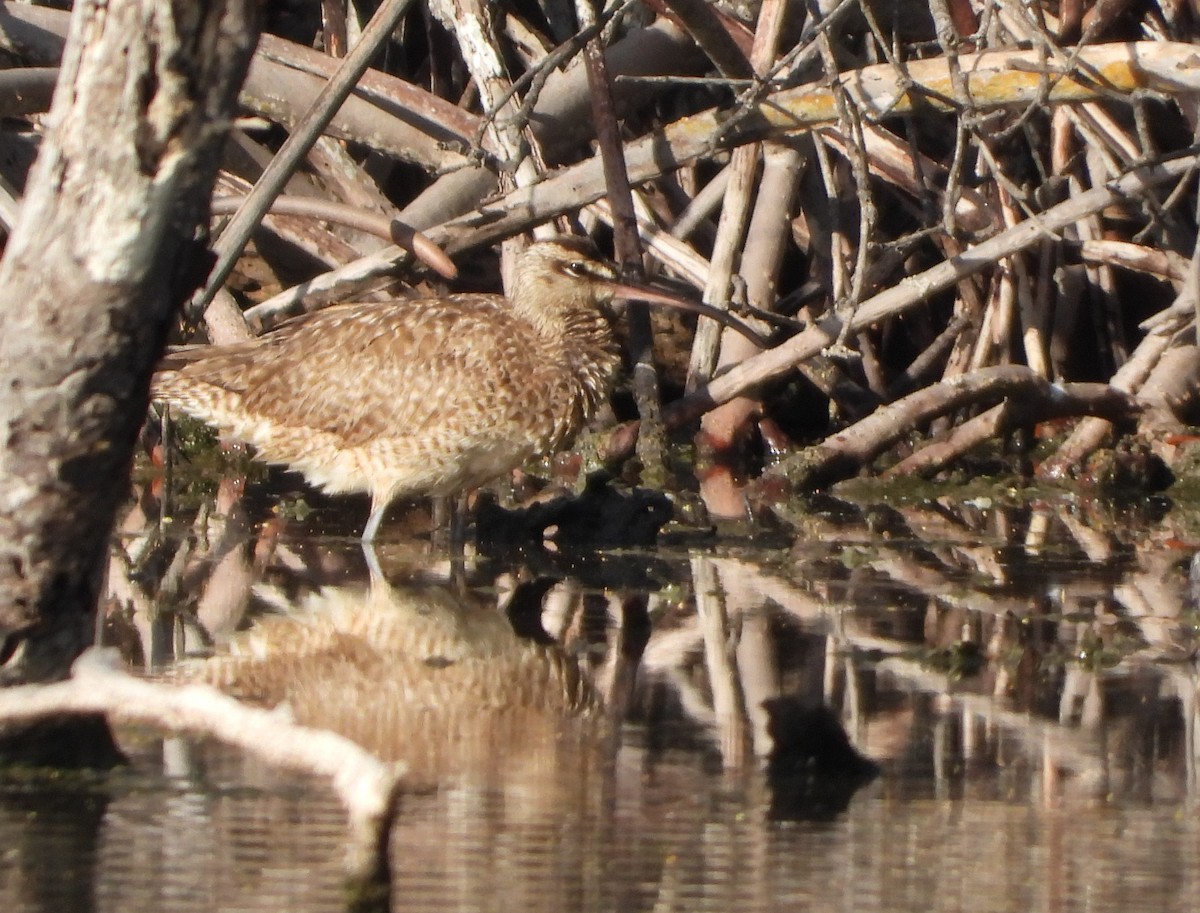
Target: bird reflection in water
x,y
418,674
468,688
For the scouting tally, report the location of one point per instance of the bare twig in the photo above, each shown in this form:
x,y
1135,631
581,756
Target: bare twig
x,y
993,83
1035,404
735,213
703,22
403,235
844,454
651,444
916,289
1091,433
229,246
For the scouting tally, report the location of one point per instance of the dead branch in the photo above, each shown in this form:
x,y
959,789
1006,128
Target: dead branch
x,y
26,90
735,212
915,289
106,249
1040,405
998,78
385,113
651,444
1163,264
714,32
843,455
233,239
410,240
1091,433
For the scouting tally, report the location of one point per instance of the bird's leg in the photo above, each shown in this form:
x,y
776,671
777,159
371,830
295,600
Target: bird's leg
x,y
449,522
373,569
458,520
378,509
166,442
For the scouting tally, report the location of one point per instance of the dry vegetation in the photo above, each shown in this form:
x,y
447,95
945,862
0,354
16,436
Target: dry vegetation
x,y
956,225
957,221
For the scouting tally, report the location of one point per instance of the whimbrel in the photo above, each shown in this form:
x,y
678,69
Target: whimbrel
x,y
418,397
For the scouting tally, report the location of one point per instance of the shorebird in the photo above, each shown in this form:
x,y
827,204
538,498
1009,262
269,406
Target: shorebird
x,y
420,397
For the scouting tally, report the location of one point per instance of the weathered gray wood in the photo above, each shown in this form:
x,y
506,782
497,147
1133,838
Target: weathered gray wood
x,y
109,243
384,113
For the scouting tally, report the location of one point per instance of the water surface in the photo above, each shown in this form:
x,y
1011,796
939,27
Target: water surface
x,y
1023,675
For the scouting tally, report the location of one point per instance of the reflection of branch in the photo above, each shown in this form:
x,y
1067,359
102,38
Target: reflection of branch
x,y
365,786
936,583
1078,751
1154,599
673,648
722,673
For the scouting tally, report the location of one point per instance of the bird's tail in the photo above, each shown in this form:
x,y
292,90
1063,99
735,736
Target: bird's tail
x,y
195,396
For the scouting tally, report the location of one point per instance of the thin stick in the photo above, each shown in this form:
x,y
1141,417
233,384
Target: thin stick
x,y
1037,404
735,211
363,220
842,455
918,288
996,81
651,444
232,241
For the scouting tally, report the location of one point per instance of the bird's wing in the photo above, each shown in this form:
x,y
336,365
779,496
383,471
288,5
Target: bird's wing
x,y
394,368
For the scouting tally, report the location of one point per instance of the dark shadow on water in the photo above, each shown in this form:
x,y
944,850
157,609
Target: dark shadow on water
x,y
75,743
49,829
813,770
600,517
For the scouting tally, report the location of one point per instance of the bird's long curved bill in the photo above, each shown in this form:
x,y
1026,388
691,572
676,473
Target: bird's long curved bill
x,y
650,295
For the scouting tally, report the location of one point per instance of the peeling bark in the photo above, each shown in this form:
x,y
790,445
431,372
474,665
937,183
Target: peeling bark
x,y
110,242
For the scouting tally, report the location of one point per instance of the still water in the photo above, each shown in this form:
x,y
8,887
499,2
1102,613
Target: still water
x,y
587,732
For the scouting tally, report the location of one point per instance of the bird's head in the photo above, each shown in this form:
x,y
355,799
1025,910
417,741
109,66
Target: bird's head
x,y
556,277
566,273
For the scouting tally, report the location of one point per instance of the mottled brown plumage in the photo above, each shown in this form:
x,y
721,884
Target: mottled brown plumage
x,y
419,396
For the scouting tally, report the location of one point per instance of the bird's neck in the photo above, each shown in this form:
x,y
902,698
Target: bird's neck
x,y
568,324
591,350
580,338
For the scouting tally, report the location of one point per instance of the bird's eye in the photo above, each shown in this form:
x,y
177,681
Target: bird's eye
x,y
576,269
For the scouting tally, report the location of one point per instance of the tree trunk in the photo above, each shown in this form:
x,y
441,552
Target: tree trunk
x,y
111,240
